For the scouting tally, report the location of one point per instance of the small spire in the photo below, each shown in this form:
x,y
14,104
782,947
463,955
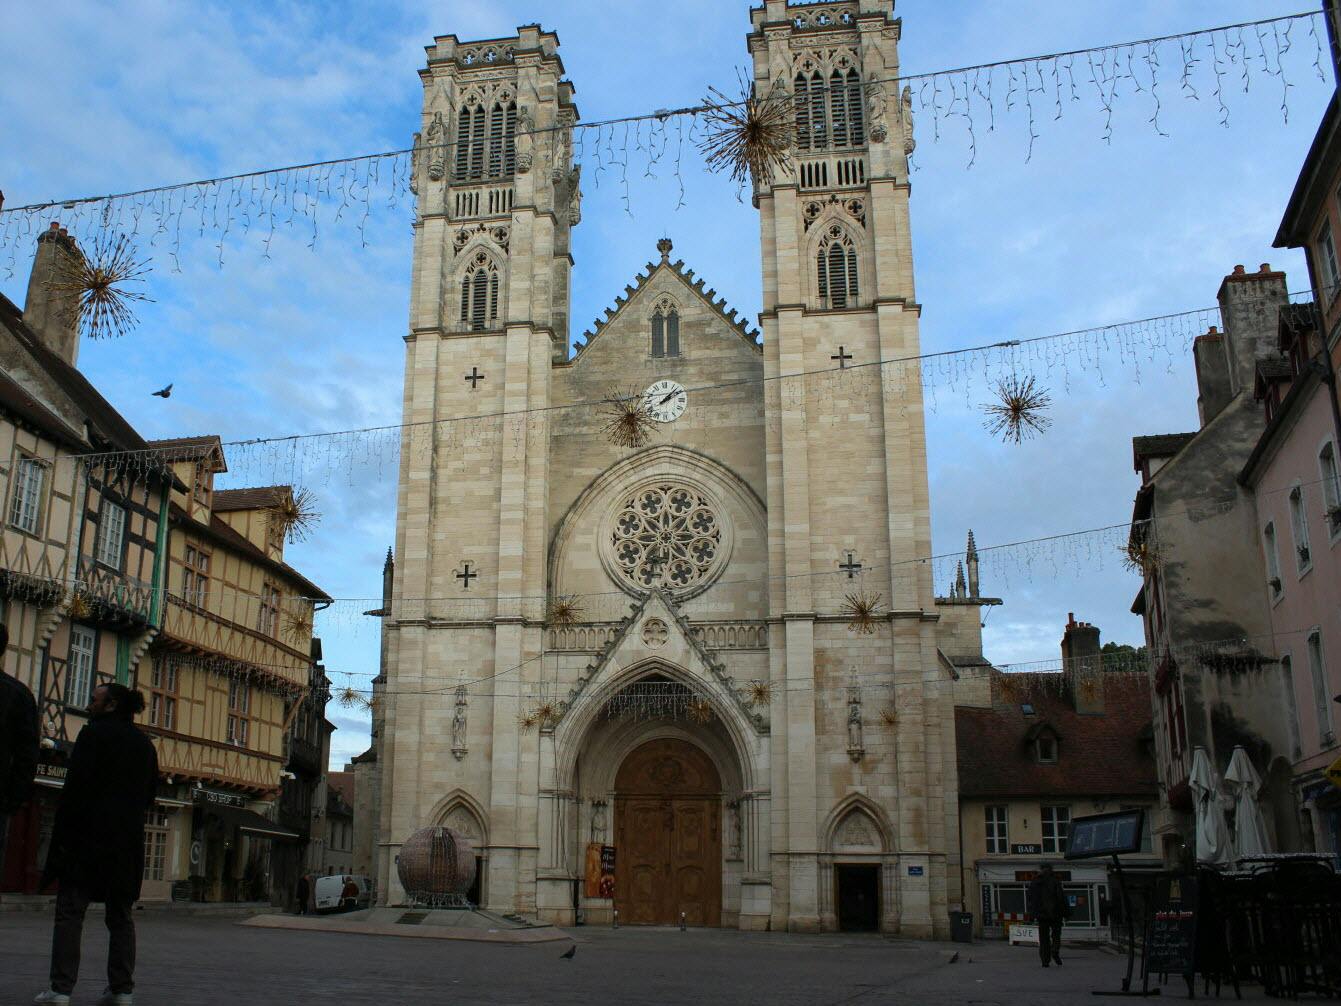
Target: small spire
x,y
664,246
961,588
972,546
389,560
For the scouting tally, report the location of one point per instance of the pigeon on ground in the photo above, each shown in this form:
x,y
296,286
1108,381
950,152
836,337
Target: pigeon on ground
x,y
164,392
570,953
954,958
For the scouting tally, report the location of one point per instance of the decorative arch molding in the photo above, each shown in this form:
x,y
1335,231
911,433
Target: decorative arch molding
x,y
857,824
603,497
836,229
459,807
736,738
481,255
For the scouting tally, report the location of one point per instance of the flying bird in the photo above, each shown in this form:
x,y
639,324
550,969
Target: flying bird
x,y
570,954
164,392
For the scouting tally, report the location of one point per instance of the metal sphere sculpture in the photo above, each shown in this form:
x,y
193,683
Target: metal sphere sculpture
x,y
437,867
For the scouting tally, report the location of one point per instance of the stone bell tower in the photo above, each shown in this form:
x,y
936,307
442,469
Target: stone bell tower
x,y
848,506
497,198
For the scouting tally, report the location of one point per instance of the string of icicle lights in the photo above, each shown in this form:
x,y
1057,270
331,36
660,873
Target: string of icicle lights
x,y
1207,66
1130,349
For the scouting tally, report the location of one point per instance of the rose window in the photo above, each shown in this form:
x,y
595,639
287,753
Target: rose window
x,y
666,535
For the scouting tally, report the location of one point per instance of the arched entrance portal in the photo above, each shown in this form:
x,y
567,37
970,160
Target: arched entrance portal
x,y
668,833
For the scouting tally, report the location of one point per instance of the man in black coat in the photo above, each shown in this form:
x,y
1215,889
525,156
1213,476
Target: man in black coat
x,y
18,745
97,846
1049,907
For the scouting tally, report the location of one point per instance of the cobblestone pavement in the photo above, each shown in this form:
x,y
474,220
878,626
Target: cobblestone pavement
x,y
198,960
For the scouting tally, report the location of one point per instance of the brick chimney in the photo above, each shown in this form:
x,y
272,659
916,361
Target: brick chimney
x,y
53,314
1082,665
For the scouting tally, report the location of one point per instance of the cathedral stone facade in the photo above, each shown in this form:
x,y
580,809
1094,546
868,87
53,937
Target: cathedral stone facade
x,y
654,650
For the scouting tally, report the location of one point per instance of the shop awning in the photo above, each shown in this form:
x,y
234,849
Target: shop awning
x,y
252,823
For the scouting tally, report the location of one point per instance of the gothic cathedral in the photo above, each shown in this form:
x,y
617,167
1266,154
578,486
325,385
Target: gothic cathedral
x,y
714,655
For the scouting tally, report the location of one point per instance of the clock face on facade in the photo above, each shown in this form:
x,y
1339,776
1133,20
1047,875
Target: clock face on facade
x,y
666,401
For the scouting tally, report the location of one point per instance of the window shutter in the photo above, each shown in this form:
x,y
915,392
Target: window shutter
x,y
658,335
818,121
673,334
496,141
852,274
802,102
477,301
510,140
856,110
838,108
493,296
465,300
477,143
837,276
823,266
462,143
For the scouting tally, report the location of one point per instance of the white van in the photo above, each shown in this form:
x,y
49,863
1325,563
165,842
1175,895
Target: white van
x,y
340,893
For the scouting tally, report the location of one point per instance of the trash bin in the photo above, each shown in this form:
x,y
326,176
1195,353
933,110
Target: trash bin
x,y
961,927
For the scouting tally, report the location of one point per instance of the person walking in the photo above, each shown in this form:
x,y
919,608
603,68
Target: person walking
x,y
97,846
18,745
304,890
1049,907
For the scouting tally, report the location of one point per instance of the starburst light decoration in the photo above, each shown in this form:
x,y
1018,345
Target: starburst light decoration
x,y
629,421
749,136
98,278
1018,414
564,611
861,609
297,513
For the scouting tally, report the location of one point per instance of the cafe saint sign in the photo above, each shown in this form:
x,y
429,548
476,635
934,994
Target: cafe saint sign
x,y
217,798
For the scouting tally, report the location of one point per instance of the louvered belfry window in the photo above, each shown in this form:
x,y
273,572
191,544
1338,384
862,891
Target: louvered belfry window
x,y
836,269
479,295
830,113
486,142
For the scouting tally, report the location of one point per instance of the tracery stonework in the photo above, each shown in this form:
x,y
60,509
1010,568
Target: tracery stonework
x,y
667,535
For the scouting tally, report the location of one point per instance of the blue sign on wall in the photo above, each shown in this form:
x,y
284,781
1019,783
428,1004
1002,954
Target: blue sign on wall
x,y
914,871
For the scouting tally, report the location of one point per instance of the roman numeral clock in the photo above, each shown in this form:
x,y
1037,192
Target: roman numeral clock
x,y
666,401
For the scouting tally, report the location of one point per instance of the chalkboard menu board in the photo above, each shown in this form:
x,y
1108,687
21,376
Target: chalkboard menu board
x,y
1105,834
1171,943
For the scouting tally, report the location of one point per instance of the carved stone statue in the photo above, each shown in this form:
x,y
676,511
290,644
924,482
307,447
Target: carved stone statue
x,y
598,820
909,143
525,139
437,142
459,724
855,747
414,163
875,109
737,830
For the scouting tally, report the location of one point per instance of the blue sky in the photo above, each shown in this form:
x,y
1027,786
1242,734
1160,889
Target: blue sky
x,y
1087,232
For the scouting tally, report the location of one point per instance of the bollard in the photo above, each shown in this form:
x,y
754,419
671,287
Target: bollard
x,y
682,922
616,925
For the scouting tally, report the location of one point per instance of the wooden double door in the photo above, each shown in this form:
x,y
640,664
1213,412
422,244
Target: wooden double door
x,y
668,836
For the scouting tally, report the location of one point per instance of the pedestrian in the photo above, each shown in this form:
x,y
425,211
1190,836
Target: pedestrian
x,y
304,888
18,745
349,895
1049,907
97,845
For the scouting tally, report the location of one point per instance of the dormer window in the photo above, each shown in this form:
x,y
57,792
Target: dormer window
x,y
1045,749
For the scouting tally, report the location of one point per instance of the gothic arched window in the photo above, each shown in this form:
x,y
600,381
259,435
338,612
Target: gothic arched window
x,y
829,113
836,267
479,294
665,330
846,108
486,140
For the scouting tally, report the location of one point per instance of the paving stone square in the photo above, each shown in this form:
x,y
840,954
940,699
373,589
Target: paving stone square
x,y
201,960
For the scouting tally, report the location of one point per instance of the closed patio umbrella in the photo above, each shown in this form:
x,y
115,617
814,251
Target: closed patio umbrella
x,y
1213,845
1250,827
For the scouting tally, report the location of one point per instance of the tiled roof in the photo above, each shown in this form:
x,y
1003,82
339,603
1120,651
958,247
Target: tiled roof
x,y
15,399
195,448
254,498
1099,755
1275,368
106,422
1159,445
343,784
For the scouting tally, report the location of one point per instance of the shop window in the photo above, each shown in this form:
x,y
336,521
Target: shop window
x,y
998,838
1056,825
155,845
